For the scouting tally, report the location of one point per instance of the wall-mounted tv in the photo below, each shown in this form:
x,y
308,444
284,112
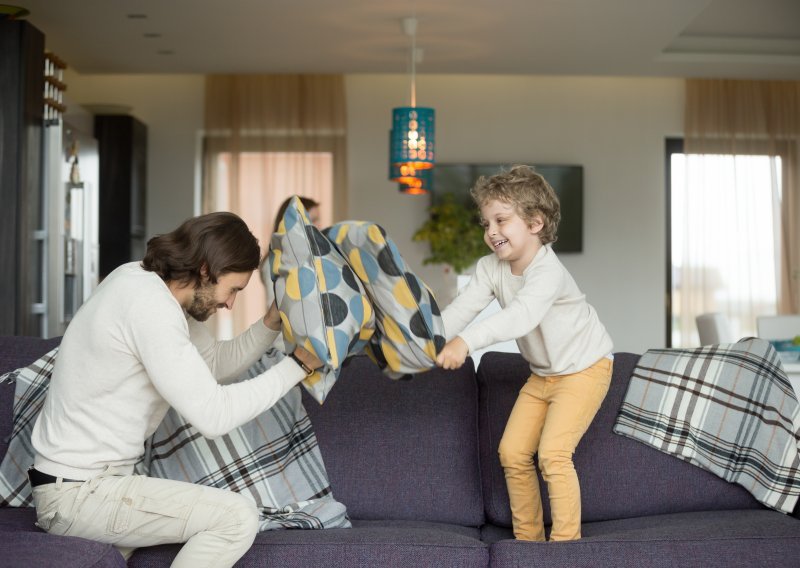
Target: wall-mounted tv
x,y
567,181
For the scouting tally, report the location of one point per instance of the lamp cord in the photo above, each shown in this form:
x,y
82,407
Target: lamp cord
x,y
414,69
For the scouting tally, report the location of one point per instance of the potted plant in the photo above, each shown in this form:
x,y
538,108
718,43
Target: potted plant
x,y
454,233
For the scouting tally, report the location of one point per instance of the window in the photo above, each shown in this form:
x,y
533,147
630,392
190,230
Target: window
x,y
265,180
723,240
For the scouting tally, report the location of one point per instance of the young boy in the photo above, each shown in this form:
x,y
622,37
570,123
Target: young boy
x,y
558,333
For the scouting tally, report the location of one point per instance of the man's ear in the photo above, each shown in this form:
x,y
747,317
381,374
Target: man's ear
x,y
536,225
204,271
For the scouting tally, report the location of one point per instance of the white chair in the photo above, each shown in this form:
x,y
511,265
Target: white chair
x,y
714,328
782,327
778,327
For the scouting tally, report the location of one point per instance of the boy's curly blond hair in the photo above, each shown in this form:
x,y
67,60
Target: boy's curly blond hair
x,y
529,194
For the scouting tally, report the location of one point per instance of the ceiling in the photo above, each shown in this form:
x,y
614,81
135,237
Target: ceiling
x,y
757,39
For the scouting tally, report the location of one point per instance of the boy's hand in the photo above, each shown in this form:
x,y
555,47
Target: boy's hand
x,y
273,318
453,355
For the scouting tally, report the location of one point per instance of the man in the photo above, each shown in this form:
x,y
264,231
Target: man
x,y
135,348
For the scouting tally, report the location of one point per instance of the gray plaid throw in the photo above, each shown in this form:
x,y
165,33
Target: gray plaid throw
x,y
274,458
30,387
729,409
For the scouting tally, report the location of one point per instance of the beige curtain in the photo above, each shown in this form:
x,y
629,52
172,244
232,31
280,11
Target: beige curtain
x,y
755,117
268,137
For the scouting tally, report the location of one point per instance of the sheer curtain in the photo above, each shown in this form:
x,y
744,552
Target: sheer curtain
x,y
754,118
268,137
724,233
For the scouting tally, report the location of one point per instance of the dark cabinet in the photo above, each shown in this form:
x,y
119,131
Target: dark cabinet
x,y
122,153
21,212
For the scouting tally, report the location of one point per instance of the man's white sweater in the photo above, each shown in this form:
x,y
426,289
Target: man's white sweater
x,y
129,354
556,330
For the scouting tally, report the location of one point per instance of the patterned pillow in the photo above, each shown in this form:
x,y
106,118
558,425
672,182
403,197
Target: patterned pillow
x,y
324,307
30,387
410,332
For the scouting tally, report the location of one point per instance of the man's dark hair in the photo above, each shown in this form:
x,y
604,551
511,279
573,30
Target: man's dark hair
x,y
220,241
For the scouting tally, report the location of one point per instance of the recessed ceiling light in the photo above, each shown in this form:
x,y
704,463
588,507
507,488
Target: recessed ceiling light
x,y
152,34
137,16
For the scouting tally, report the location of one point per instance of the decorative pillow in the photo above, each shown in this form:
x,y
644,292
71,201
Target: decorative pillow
x,y
30,388
273,459
324,307
410,332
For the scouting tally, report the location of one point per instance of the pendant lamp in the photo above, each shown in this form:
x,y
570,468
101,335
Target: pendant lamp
x,y
418,184
413,132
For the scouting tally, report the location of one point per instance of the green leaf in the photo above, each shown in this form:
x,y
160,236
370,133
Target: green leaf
x,y
454,233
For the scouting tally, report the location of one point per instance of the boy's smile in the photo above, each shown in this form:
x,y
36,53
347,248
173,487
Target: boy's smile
x,y
509,236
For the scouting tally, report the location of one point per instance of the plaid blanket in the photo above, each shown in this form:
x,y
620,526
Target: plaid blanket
x,y
31,384
729,409
274,458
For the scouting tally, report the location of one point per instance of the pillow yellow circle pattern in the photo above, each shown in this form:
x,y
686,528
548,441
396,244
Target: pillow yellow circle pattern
x,y
410,332
323,304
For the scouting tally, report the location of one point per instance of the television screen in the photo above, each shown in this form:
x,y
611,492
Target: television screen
x,y
567,181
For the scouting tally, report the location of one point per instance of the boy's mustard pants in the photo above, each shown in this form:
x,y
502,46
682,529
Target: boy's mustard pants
x,y
550,416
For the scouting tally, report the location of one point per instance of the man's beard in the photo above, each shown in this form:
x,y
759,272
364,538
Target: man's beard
x,y
203,303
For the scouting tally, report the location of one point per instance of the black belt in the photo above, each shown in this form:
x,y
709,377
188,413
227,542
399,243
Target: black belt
x,y
38,478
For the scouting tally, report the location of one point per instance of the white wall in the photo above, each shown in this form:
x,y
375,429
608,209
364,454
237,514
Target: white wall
x,y
172,108
613,127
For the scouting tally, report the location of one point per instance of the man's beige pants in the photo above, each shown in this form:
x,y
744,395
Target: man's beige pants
x,y
218,526
550,416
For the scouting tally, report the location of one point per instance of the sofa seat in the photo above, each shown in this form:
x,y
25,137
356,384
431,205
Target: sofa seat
x,y
368,543
18,519
37,548
713,539
29,544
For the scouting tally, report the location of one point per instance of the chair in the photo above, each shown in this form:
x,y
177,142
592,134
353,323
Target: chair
x,y
714,328
778,327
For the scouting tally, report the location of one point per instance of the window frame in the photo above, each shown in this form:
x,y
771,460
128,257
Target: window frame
x,y
671,146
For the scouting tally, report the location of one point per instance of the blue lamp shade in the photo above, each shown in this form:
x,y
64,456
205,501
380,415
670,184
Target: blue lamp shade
x,y
412,138
419,184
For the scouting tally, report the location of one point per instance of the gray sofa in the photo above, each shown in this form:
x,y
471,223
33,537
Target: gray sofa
x,y
416,464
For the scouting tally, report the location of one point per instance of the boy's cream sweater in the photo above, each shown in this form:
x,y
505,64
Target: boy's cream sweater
x,y
556,330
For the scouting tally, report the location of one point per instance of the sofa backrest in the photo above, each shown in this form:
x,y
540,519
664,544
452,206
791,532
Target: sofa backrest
x,y
16,352
405,450
619,477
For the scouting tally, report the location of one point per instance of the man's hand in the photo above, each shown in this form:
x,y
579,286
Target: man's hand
x,y
453,354
308,358
273,318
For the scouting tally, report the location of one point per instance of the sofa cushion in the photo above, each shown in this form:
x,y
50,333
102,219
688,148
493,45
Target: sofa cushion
x,y
402,449
410,332
19,351
377,543
621,478
728,409
324,307
27,549
718,539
